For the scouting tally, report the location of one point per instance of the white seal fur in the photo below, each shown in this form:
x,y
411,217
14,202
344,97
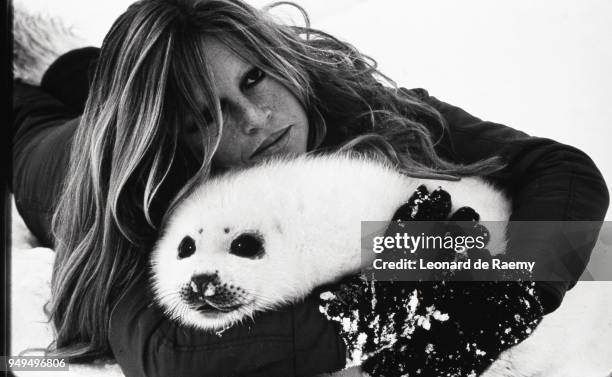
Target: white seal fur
x,y
304,214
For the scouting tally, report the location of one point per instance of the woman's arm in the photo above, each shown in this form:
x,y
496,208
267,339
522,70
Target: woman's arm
x,y
44,119
546,180
42,131
296,341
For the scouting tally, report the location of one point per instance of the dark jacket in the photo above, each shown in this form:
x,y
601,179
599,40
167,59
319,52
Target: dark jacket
x,y
546,180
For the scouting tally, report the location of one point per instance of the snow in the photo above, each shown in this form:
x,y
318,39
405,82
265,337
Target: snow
x,y
575,340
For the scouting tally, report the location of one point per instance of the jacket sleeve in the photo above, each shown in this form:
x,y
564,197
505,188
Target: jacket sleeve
x,y
546,181
295,341
42,129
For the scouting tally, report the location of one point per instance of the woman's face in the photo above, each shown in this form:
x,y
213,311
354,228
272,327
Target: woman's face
x,y
261,117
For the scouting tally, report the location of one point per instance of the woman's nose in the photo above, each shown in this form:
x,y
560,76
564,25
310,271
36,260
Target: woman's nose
x,y
254,117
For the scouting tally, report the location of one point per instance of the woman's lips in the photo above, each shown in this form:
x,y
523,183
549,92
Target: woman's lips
x,y
273,144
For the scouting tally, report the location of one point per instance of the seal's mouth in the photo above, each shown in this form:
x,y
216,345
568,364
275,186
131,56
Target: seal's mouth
x,y
212,299
209,307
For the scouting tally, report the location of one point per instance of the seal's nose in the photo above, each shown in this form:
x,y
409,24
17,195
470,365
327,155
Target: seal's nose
x,y
204,285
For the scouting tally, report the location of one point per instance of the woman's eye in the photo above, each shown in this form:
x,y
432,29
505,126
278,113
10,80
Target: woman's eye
x,y
253,77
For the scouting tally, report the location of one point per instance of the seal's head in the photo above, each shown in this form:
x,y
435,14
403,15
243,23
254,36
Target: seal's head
x,y
220,259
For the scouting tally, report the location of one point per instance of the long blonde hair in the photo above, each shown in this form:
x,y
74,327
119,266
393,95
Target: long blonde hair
x,y
127,160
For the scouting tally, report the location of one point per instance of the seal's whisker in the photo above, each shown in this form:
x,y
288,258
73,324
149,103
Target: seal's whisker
x,y
263,297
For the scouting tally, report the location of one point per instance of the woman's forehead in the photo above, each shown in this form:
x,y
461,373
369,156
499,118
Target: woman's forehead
x,y
221,59
225,65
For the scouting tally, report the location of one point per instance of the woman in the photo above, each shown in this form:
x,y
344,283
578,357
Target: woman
x,y
185,89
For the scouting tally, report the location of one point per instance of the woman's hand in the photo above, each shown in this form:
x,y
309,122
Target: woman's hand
x,y
438,327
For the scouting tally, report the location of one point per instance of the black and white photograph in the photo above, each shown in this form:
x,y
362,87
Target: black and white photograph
x,y
391,188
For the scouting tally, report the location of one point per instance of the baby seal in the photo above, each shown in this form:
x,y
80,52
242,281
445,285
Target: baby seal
x,y
265,236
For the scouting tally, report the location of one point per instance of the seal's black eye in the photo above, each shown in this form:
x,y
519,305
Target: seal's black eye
x,y
248,245
186,248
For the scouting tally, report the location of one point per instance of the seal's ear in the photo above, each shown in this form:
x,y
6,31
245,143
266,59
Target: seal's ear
x,y
186,248
248,245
